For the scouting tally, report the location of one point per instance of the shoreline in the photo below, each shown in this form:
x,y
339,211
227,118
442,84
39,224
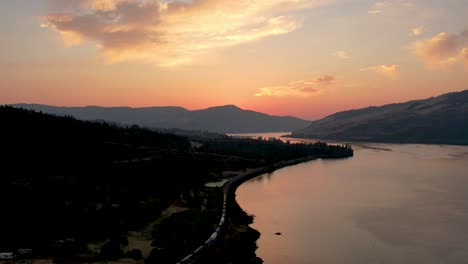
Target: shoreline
x,y
247,235
382,141
250,236
234,223
234,183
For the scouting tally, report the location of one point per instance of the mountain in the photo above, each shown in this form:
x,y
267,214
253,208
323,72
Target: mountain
x,y
86,181
221,119
437,120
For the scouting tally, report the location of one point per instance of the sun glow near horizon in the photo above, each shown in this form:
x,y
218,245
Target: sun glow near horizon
x,y
307,58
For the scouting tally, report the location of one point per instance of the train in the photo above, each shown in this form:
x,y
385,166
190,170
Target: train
x,y
211,240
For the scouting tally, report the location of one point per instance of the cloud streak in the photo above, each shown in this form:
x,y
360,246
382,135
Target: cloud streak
x,y
381,6
171,33
388,70
417,31
378,7
464,56
298,88
342,55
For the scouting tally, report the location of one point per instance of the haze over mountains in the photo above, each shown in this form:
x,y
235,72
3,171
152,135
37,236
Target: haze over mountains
x,y
438,120
221,119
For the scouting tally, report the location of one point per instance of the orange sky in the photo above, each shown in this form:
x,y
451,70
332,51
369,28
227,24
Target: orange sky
x,y
307,58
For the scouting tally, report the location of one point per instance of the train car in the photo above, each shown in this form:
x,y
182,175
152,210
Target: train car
x,y
186,259
214,236
7,255
198,250
218,232
208,242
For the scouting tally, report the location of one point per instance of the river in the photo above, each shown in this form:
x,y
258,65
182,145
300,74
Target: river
x,y
389,203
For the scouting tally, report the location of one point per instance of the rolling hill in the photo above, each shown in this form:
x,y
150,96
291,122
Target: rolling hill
x,y
438,120
221,119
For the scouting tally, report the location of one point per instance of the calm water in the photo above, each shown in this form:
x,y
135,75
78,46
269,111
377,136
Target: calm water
x,y
387,204
277,135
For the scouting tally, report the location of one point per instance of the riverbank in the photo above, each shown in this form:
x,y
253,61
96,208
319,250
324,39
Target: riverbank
x,y
368,140
380,199
238,242
231,186
139,174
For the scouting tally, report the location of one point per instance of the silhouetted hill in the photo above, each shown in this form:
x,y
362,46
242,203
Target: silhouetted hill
x,y
438,120
67,183
221,119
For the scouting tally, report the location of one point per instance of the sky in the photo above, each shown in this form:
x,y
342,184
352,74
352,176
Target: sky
x,y
306,58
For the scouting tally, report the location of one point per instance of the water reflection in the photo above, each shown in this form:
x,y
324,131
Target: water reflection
x,y
265,177
388,204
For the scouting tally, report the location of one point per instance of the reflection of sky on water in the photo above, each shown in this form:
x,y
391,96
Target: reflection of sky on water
x,y
407,205
439,152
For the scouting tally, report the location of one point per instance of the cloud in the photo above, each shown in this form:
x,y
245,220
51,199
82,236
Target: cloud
x,y
417,31
407,4
464,56
325,80
342,54
441,50
388,70
380,7
298,88
174,32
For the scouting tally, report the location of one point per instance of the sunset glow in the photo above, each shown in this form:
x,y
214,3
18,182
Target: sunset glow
x,y
307,58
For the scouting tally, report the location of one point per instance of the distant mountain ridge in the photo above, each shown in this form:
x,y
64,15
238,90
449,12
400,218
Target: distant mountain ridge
x,y
220,119
438,120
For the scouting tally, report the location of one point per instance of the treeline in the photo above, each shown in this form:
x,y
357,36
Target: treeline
x,y
65,178
29,137
66,183
271,151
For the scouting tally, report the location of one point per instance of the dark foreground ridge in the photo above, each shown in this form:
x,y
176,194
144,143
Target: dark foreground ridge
x,y
89,192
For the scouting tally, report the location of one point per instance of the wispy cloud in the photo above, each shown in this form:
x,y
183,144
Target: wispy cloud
x,y
443,49
381,6
416,31
324,81
342,54
464,56
388,70
174,32
298,88
374,11
378,7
